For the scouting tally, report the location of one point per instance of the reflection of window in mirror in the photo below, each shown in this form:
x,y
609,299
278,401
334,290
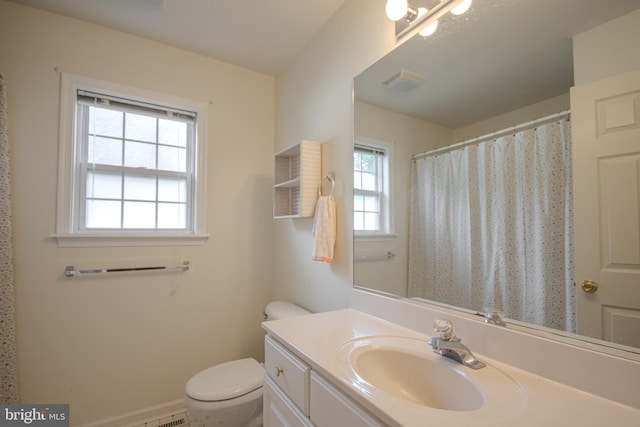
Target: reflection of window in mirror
x,y
371,181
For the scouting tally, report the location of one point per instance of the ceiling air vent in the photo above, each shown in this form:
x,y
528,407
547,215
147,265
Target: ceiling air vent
x,y
404,81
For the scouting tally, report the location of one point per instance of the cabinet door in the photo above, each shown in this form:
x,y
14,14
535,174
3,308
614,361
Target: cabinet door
x,y
278,410
331,408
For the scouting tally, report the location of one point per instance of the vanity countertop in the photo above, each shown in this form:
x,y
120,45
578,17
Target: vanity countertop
x,y
316,339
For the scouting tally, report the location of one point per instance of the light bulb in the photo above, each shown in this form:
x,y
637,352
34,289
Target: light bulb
x,y
429,29
461,8
396,9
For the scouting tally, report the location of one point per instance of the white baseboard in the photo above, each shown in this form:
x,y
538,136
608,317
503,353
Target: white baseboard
x,y
141,416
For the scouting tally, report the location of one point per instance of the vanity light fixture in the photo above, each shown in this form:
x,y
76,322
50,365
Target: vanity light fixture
x,y
407,17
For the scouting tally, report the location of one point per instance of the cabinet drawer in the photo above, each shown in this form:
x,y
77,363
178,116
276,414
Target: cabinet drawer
x,y
288,372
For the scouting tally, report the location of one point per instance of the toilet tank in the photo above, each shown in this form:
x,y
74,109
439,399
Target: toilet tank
x,y
282,309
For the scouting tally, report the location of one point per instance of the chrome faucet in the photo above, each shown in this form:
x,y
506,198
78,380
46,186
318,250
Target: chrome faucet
x,y
448,345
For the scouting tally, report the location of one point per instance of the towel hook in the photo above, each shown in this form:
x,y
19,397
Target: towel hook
x,y
328,177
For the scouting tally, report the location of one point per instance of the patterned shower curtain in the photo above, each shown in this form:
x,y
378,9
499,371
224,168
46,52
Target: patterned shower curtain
x,y
491,225
8,370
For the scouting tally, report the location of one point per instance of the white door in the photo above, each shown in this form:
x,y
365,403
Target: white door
x,y
606,170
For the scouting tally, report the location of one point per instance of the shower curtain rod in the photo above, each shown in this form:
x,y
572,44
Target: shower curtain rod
x,y
476,140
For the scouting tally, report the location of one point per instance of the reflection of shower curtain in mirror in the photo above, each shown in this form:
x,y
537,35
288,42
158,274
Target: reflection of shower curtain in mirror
x,y
491,225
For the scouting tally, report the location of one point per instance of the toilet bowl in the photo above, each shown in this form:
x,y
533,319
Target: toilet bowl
x,y
230,394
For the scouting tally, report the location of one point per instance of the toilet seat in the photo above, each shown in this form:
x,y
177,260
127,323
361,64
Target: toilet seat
x,y
226,380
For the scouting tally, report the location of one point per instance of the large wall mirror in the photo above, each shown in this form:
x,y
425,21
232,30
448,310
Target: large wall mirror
x,y
467,179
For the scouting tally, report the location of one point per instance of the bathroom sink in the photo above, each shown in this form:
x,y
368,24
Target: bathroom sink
x,y
407,369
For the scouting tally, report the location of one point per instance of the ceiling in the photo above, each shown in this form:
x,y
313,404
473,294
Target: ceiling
x,y
500,56
264,36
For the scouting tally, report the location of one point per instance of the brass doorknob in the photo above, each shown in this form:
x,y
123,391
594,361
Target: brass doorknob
x,y
589,286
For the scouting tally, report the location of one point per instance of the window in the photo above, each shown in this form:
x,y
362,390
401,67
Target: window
x,y
132,166
371,200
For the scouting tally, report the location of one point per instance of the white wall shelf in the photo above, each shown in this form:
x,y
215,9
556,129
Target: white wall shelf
x,y
297,174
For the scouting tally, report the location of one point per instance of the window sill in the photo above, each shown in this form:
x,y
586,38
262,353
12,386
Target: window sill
x,y
88,240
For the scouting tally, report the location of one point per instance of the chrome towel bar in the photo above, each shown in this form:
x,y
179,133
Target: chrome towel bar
x,y
382,257
71,271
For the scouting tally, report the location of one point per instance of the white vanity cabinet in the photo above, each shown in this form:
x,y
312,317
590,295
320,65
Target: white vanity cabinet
x,y
294,396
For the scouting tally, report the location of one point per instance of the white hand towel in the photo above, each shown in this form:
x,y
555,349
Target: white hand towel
x,y
324,229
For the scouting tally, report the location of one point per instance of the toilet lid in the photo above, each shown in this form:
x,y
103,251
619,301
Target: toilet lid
x,y
226,380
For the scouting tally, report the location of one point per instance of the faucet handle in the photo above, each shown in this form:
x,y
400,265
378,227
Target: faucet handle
x,y
494,315
444,328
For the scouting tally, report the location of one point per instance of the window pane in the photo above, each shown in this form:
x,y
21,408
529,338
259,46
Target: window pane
x,y
358,221
140,128
139,215
102,214
357,161
357,180
105,151
105,122
172,189
139,187
371,203
172,215
172,159
139,155
171,132
371,221
369,163
104,185
358,202
369,182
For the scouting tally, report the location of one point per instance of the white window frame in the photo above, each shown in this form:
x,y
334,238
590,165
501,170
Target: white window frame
x,y
69,232
386,209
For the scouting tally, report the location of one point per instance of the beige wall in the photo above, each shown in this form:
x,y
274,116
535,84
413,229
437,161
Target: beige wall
x,y
607,50
504,121
113,344
314,101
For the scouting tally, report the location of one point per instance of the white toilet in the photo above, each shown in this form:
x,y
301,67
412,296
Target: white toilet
x,y
230,394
